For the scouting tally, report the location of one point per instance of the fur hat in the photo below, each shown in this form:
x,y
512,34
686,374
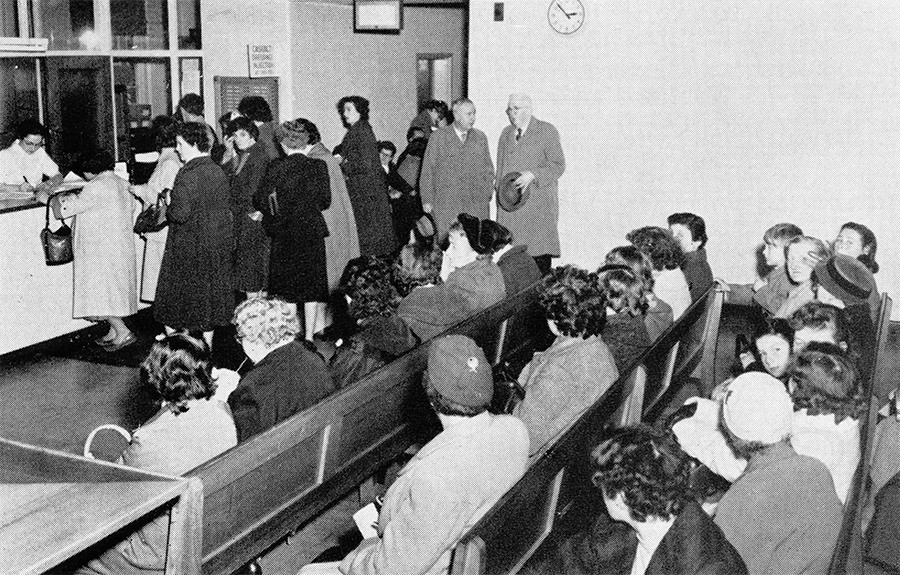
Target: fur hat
x,y
459,371
846,278
757,407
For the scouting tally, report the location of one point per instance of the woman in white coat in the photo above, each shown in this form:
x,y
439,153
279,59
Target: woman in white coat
x,y
163,178
105,279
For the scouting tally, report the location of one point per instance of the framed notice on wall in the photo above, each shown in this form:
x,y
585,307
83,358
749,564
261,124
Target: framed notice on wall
x,y
261,60
378,16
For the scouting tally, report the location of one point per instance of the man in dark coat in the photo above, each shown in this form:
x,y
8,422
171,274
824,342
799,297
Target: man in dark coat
x,y
287,376
194,288
457,172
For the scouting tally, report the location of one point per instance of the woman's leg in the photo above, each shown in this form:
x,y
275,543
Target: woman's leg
x,y
118,329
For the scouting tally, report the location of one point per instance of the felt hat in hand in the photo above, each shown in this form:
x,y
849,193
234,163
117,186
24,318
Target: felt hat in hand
x,y
509,196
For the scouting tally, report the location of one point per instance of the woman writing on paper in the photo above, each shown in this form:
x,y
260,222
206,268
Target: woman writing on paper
x,y
24,164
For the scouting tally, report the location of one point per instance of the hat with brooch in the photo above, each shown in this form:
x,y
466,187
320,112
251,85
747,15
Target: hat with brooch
x,y
459,371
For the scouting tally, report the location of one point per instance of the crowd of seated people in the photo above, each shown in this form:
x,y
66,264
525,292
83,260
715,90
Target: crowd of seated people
x,y
793,407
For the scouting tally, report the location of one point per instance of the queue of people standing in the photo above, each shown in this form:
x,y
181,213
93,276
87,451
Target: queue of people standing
x,y
272,210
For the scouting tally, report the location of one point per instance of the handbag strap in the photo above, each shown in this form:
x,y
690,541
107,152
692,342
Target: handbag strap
x,y
47,213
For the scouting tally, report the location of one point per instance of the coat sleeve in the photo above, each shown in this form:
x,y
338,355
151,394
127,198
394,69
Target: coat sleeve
x,y
487,169
245,411
354,149
74,204
426,176
182,198
257,172
543,406
553,163
266,184
321,183
420,531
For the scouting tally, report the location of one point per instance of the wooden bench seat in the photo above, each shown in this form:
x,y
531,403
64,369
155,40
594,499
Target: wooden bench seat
x,y
258,492
511,531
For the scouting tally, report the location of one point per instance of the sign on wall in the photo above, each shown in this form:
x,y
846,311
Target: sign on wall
x,y
261,60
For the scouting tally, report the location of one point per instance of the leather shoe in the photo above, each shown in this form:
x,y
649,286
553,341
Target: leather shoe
x,y
113,347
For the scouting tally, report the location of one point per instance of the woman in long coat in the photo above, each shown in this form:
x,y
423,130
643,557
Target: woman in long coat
x,y
366,182
105,278
194,290
251,244
162,179
342,243
292,196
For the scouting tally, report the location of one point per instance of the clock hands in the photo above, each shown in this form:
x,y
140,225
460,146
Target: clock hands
x,y
569,16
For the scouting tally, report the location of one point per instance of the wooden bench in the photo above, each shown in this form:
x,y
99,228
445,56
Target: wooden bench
x,y
512,530
848,556
53,505
260,491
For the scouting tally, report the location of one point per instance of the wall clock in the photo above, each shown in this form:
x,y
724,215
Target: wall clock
x,y
565,16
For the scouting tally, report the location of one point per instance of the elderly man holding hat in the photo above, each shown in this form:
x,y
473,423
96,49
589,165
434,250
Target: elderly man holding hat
x,y
453,480
782,514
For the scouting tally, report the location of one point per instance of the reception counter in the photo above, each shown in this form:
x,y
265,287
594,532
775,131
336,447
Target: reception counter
x,y
36,298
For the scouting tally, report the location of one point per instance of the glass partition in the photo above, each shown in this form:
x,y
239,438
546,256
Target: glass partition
x,y
18,95
189,25
143,91
139,24
67,24
9,18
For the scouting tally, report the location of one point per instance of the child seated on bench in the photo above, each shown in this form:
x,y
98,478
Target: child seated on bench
x,y
801,256
689,230
772,289
625,332
658,316
666,256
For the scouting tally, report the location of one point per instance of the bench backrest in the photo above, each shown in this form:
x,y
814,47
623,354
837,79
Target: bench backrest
x,y
264,488
848,556
510,532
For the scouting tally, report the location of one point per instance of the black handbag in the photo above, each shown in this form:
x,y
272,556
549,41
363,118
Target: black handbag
x,y
153,218
57,244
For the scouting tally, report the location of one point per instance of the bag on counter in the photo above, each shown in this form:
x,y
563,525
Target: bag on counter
x,y
57,244
153,218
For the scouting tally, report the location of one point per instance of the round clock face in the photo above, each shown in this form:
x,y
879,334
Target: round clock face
x,y
565,16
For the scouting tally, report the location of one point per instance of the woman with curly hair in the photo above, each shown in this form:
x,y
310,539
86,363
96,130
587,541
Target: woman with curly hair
x,y
417,264
655,525
191,427
625,332
666,256
658,316
381,334
578,368
366,180
287,376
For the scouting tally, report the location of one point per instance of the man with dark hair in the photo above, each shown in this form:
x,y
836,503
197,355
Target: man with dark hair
x,y
457,173
432,116
453,480
782,514
690,232
644,479
190,110
257,109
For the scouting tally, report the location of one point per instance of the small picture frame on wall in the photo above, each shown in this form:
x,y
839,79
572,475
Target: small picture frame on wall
x,y
377,16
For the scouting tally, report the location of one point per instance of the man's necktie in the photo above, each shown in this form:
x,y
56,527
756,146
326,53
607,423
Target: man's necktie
x,y
518,134
462,138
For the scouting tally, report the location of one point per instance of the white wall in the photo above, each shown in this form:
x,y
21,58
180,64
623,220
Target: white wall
x,y
747,112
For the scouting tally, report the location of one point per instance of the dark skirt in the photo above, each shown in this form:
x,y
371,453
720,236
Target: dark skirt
x,y
251,255
298,272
